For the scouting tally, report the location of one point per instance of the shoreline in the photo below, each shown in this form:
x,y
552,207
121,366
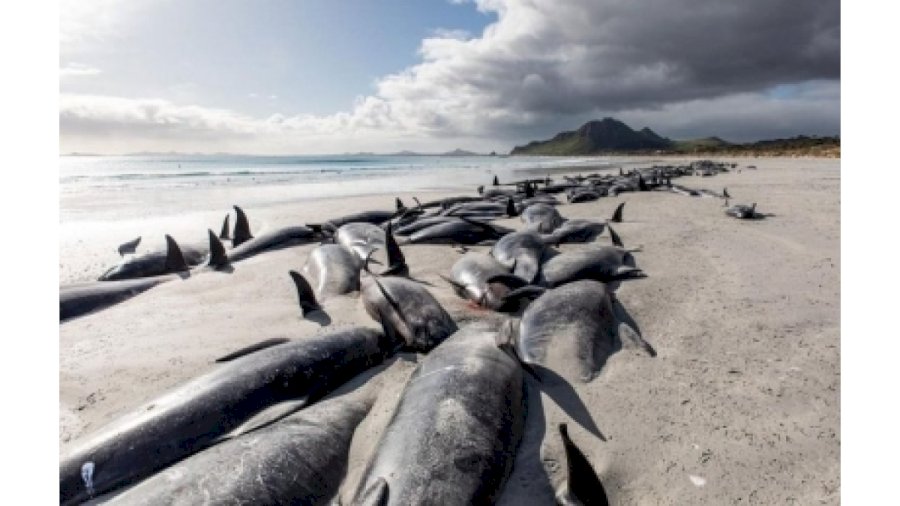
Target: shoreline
x,y
745,317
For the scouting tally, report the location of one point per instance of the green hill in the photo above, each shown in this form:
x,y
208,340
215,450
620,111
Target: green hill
x,y
611,136
607,135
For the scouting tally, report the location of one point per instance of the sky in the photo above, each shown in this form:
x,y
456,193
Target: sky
x,y
320,76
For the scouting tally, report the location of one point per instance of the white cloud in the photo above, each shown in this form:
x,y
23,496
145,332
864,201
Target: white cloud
x,y
78,70
678,66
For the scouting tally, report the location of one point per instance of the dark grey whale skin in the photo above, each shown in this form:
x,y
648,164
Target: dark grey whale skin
x,y
301,459
580,313
79,299
152,264
274,239
206,409
453,437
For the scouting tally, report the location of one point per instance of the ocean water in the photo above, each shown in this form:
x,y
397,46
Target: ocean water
x,y
106,200
128,186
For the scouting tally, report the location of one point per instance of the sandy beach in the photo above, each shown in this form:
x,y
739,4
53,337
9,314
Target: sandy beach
x,y
741,405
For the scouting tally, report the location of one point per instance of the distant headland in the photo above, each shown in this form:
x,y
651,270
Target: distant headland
x,y
611,136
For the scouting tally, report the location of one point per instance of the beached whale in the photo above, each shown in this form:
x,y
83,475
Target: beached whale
x,y
453,437
373,217
522,252
300,459
333,270
607,264
272,240
361,239
575,231
571,329
82,298
246,393
470,277
541,218
407,310
156,263
462,231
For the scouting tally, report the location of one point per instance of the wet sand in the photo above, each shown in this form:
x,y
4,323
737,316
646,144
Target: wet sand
x,y
741,405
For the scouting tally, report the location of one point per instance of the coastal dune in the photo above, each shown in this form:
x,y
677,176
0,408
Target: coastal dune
x,y
741,405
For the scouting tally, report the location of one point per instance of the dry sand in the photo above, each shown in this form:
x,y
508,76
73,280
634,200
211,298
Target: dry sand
x,y
741,406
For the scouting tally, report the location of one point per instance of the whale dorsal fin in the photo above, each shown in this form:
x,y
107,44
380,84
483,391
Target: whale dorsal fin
x,y
617,215
616,240
304,293
511,208
396,260
241,228
224,234
496,181
217,256
174,258
399,203
725,193
584,487
376,494
394,304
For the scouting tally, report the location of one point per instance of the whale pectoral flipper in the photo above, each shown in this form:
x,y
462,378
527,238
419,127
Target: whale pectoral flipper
x,y
376,494
616,240
632,335
266,417
268,343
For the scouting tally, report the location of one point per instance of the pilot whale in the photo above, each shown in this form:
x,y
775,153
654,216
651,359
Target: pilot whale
x,y
246,393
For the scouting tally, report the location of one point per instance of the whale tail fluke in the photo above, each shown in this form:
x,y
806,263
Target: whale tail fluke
x,y
241,228
218,258
305,293
129,247
617,215
582,486
174,257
